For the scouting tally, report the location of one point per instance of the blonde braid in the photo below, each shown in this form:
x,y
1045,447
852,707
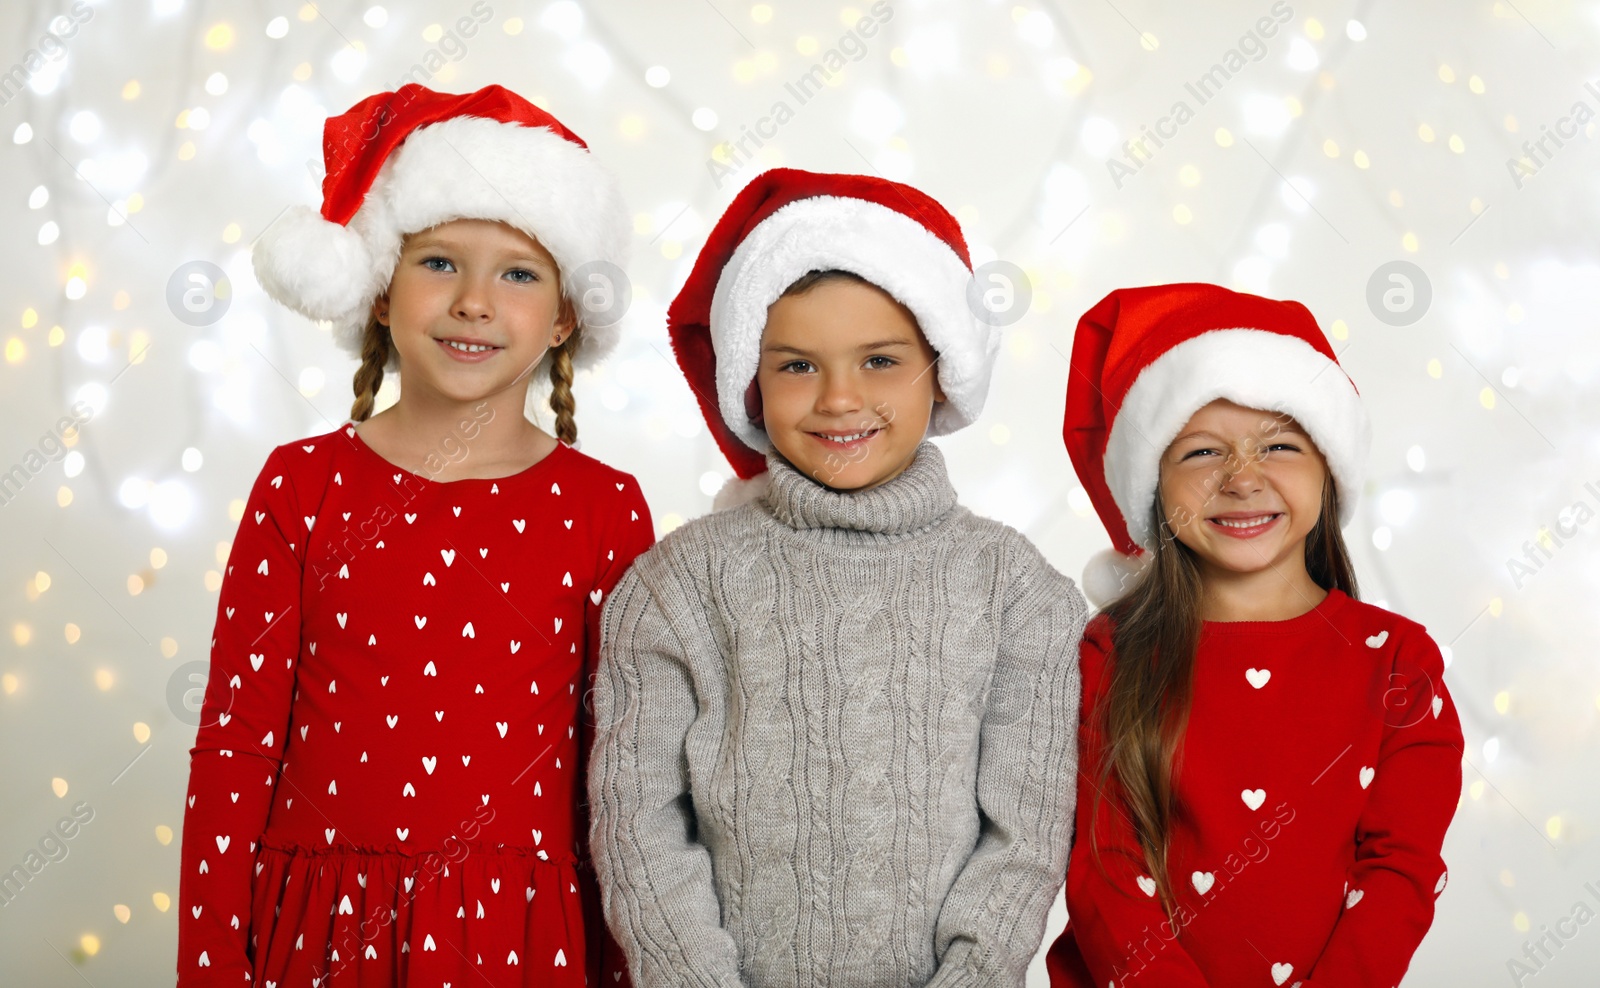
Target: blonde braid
x,y
561,400
369,376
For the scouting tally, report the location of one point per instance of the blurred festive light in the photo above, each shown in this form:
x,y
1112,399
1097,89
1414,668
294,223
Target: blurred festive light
x,y
1099,136
590,62
38,197
84,127
277,27
92,394
1397,506
657,76
311,381
348,62
1382,538
704,118
711,482
1355,31
375,17
1302,57
1491,749
192,459
876,114
216,84
1267,115
162,901
134,493
170,504
564,18
94,344
1416,459
1273,239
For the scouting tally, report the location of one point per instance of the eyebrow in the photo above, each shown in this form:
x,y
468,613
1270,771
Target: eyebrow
x,y
438,243
1205,434
879,345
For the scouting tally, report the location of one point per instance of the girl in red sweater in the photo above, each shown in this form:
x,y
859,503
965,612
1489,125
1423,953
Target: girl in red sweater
x,y
385,786
1268,765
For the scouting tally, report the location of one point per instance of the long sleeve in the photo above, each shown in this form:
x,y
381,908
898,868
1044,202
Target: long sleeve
x,y
993,918
655,876
1116,926
1412,796
238,749
630,532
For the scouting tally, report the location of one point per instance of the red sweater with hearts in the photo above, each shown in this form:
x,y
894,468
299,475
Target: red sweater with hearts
x,y
1319,770
385,785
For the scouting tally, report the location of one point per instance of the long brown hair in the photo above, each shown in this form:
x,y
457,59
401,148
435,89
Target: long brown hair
x,y
1155,633
376,345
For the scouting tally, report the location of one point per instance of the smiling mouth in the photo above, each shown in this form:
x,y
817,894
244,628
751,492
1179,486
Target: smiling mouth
x,y
1244,526
846,438
464,347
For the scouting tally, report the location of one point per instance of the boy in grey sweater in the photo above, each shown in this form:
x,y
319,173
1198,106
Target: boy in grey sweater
x,y
835,725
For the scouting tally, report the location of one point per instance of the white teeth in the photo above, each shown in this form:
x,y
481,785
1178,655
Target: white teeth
x,y
467,347
1245,523
849,439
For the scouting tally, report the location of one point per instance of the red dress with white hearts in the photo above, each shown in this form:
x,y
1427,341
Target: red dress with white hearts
x,y
385,787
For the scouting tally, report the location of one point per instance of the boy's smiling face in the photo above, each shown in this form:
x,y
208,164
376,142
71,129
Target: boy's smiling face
x,y
848,383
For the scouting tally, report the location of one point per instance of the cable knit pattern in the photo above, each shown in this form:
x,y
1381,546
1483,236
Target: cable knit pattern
x,y
836,742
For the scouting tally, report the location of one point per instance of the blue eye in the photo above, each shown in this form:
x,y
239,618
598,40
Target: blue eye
x,y
429,261
531,277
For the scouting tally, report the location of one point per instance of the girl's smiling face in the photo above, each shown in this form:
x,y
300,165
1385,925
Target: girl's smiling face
x,y
847,383
472,307
1242,487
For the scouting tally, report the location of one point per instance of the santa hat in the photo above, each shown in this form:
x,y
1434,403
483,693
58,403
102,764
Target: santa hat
x,y
1144,360
787,223
409,160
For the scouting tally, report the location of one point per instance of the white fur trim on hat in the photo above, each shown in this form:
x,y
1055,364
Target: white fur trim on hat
x,y
461,168
1250,367
887,248
736,491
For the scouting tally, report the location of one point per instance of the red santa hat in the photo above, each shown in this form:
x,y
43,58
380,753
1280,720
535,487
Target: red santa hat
x,y
787,223
1144,360
412,159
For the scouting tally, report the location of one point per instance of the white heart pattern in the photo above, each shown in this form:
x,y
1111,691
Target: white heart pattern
x,y
1352,898
1258,677
1377,640
1366,776
1253,798
1203,880
1281,972
1147,885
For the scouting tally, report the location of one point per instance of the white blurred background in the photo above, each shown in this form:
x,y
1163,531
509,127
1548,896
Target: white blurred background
x,y
151,134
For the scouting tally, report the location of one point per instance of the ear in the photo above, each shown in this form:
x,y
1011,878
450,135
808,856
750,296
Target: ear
x,y
566,321
380,309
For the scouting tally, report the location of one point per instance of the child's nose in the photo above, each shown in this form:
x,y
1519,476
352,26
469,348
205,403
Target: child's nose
x,y
1242,474
472,304
840,394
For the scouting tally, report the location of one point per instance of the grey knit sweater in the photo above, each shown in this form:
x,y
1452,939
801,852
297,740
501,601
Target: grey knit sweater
x,y
836,742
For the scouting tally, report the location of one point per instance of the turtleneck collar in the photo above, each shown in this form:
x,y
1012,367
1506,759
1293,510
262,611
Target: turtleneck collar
x,y
906,505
